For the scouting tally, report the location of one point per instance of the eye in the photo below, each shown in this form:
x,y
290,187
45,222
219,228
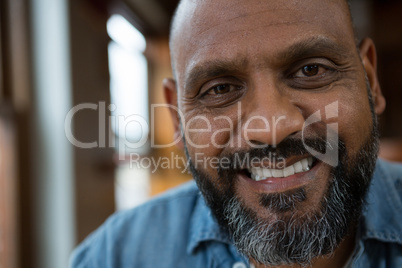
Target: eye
x,y
310,71
314,75
222,89
221,92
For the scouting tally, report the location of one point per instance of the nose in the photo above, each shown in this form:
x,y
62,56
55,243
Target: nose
x,y
270,114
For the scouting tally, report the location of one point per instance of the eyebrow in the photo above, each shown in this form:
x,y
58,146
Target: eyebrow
x,y
214,68
312,47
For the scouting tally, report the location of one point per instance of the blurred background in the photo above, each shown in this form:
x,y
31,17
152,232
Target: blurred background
x,y
80,115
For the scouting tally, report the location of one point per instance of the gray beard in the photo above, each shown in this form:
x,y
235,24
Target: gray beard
x,y
289,240
292,238
286,240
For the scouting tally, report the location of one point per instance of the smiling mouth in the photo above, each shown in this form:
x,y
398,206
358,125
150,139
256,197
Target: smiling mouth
x,y
260,173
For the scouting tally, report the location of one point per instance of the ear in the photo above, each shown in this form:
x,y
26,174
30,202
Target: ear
x,y
369,59
170,90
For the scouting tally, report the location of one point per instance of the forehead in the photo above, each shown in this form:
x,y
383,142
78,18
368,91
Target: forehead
x,y
215,29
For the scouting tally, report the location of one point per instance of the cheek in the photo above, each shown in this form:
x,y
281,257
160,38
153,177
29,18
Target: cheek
x,y
355,121
209,135
213,134
344,108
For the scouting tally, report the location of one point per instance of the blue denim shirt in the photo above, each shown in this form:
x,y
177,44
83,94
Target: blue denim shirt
x,y
178,230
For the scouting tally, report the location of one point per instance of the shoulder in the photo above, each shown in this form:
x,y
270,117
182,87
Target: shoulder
x,y
392,169
147,229
386,185
176,203
389,175
384,204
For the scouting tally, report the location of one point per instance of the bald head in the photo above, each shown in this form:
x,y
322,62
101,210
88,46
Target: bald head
x,y
189,14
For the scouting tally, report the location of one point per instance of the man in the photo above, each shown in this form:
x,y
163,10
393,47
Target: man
x,y
278,108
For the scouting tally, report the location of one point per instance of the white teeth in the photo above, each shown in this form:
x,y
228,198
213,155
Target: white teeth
x,y
253,171
298,167
277,173
290,170
267,173
304,163
260,178
259,174
257,178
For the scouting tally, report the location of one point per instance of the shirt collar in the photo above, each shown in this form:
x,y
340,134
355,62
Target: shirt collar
x,y
381,217
204,227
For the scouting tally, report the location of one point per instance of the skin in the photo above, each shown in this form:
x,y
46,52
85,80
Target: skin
x,y
253,53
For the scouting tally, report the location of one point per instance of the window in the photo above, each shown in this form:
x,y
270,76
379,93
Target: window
x,y
129,96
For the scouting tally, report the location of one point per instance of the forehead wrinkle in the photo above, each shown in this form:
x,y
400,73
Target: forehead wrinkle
x,y
271,24
273,11
320,45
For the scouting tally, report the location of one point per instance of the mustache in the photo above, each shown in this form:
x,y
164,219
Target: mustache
x,y
289,147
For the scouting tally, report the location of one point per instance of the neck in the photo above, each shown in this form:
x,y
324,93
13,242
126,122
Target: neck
x,y
338,259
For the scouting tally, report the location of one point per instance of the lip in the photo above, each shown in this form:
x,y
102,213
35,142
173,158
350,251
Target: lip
x,y
271,185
